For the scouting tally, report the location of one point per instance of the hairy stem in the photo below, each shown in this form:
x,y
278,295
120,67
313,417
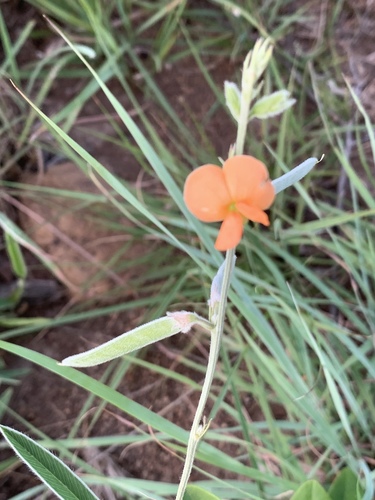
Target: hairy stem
x,y
217,311
199,426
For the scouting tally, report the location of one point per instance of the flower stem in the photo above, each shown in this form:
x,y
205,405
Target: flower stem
x,y
200,426
246,98
217,311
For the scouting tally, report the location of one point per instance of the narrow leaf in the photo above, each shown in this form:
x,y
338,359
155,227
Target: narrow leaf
x,y
15,255
294,175
127,342
50,469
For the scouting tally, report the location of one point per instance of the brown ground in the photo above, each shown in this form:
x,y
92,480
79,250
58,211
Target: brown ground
x,y
52,404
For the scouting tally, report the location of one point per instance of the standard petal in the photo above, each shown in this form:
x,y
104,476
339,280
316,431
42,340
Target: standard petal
x,y
230,233
253,213
243,175
206,194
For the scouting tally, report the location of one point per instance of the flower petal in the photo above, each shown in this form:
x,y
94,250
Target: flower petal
x,y
206,194
254,214
245,177
264,196
230,233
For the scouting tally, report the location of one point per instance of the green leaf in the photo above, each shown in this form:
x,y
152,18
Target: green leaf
x,y
272,105
196,493
344,487
127,342
15,255
311,490
54,473
149,333
233,99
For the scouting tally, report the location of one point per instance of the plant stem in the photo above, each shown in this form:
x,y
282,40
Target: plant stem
x,y
217,312
246,97
198,429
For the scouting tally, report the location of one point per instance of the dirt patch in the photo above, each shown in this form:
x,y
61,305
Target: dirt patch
x,y
73,234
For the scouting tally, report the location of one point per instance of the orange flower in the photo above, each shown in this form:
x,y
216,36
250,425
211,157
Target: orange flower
x,y
237,192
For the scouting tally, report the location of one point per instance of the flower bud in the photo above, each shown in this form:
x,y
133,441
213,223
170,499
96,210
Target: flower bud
x,y
256,62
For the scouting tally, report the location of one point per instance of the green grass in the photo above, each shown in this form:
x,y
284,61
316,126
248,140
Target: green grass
x,y
301,313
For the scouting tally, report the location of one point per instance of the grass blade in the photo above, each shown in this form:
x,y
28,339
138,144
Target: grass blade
x,y
15,255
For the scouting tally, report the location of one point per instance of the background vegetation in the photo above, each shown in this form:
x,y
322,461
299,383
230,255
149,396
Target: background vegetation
x,y
293,398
